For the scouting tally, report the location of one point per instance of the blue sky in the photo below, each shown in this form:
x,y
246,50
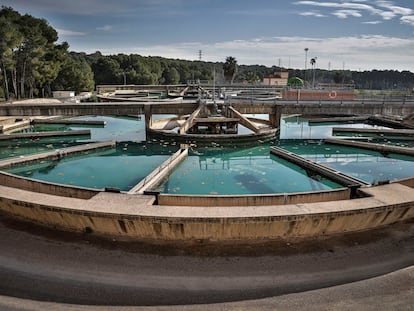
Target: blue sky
x,y
350,34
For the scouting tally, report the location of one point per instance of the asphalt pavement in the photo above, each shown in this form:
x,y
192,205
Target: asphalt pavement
x,y
48,269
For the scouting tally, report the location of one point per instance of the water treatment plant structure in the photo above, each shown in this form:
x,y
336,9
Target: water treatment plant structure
x,y
272,221
156,219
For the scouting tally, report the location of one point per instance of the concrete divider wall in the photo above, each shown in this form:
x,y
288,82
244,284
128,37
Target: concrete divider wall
x,y
334,175
16,125
70,122
35,185
409,182
7,121
244,121
190,121
56,154
45,134
162,171
254,200
248,224
261,121
371,146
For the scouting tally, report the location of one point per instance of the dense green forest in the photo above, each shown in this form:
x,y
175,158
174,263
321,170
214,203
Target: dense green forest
x,y
33,64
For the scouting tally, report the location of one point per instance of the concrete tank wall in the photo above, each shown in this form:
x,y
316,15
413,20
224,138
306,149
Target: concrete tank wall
x,y
409,182
34,185
117,215
254,200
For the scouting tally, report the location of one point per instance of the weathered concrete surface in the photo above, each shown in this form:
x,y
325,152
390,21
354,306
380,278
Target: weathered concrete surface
x,y
254,200
190,121
15,126
163,170
370,146
134,217
35,185
378,132
69,122
338,119
409,182
44,134
245,121
334,108
391,122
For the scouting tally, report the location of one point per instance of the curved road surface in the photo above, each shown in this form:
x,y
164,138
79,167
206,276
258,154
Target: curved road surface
x,y
49,266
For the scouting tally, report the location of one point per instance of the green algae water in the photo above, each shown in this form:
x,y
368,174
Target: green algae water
x,y
208,170
22,147
246,171
367,165
122,167
297,127
116,128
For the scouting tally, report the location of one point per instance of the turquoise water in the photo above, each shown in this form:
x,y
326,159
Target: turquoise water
x,y
258,116
247,171
299,128
121,168
212,170
117,128
367,165
20,147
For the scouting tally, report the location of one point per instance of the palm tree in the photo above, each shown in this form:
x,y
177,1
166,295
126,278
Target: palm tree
x,y
313,63
230,69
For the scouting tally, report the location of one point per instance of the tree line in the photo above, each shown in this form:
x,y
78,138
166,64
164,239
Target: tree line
x,y
33,63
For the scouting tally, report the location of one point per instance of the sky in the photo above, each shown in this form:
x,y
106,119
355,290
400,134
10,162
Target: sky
x,y
339,34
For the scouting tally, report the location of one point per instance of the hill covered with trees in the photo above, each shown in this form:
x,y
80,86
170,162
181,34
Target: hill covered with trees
x,y
33,63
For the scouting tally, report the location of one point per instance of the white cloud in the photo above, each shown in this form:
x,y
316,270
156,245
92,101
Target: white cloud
x,y
385,9
372,22
342,5
70,33
408,20
312,13
357,52
347,13
394,8
105,28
